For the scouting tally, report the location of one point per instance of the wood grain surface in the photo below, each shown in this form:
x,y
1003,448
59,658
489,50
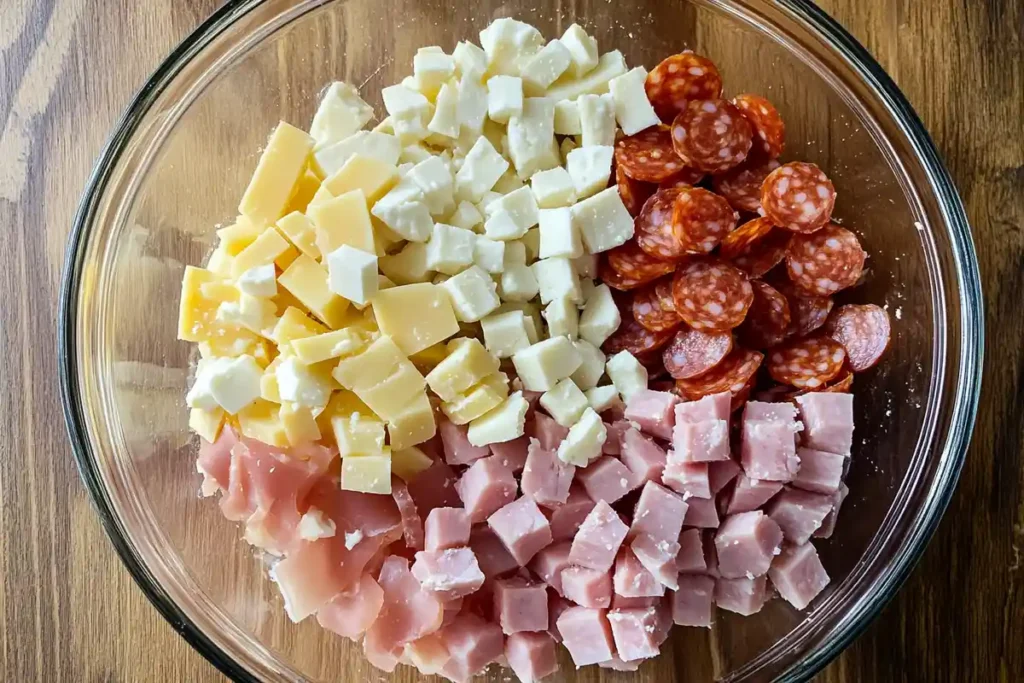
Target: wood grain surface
x,y
70,612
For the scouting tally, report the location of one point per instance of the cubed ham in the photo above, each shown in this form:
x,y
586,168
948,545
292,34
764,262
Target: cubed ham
x,y
644,458
768,450
512,454
545,478
531,656
829,525
616,664
587,635
214,461
828,421
658,557
631,579
450,574
654,411
523,528
566,519
412,523
520,605
457,448
434,488
710,554
351,612
616,432
621,602
701,513
598,539
659,513
690,558
770,412
606,479
452,608
744,596
688,478
548,432
485,487
446,528
692,601
549,563
706,441
472,644
713,407
408,613
799,513
746,544
428,654
556,605
587,587
750,494
634,633
720,473
492,556
797,574
820,471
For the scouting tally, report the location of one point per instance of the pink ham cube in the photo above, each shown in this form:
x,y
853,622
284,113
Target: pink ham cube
x,y
616,433
556,605
631,578
692,601
744,596
472,644
820,471
768,450
522,528
659,513
434,488
654,411
688,478
587,587
408,613
701,513
644,458
606,479
587,635
660,558
457,448
566,519
449,574
720,473
829,525
531,656
828,421
690,558
446,528
412,523
746,544
548,432
710,554
485,487
549,563
750,494
492,556
713,407
634,632
512,454
428,654
545,478
706,441
620,602
598,539
520,605
799,513
350,613
797,574
770,412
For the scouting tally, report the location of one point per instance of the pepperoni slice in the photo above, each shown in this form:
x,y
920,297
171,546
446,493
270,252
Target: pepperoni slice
x,y
700,219
807,313
649,155
767,322
633,192
741,186
691,352
633,265
863,330
769,130
635,338
826,261
734,374
682,77
740,398
798,197
711,135
742,238
653,227
763,255
712,296
688,177
807,363
654,308
842,383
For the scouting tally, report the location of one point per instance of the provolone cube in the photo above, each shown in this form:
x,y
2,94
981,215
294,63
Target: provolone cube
x,y
564,402
408,266
627,374
341,113
374,365
388,398
541,365
591,368
597,120
567,118
468,362
414,425
331,158
543,68
470,59
503,423
261,420
466,216
367,473
501,225
558,234
533,320
358,434
481,168
521,208
471,106
352,273
507,42
446,115
415,316
407,463
294,324
595,82
489,254
343,220
568,145
473,294
531,137
431,68
474,403
434,178
280,166
237,236
414,154
269,247
400,101
303,192
504,97
259,281
583,443
557,279
518,283
603,221
450,249
307,281
428,359
372,176
506,333
589,168
563,318
633,110
600,316
582,48
206,423
602,398
321,195
553,188
336,344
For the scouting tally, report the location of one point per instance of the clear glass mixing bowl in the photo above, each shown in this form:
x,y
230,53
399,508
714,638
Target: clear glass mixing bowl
x,y
180,157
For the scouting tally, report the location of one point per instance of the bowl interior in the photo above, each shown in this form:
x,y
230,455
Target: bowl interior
x,y
190,157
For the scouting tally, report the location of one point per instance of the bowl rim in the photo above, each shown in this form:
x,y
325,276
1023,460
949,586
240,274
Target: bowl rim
x,y
963,412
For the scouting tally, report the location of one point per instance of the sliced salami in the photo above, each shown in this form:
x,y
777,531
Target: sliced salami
x,y
769,130
700,219
633,266
711,135
653,227
633,192
682,77
740,398
798,196
652,363
807,363
734,374
863,330
807,313
691,352
635,338
767,322
826,261
649,155
763,255
688,177
654,308
843,381
712,296
741,186
742,238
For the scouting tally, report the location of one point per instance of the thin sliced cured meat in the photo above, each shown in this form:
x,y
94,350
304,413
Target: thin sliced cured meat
x,y
654,307
761,256
826,261
692,353
652,363
712,296
679,78
767,322
740,398
740,240
843,381
711,135
769,129
798,196
688,177
741,186
863,330
649,155
700,219
807,313
807,363
632,192
633,266
733,374
653,227
635,338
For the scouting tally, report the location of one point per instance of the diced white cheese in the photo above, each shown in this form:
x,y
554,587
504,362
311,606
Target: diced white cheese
x,y
489,254
531,240
508,44
600,316
407,266
480,170
586,266
470,60
633,110
584,442
401,102
411,128
515,254
565,402
504,423
558,235
228,383
553,188
589,168
582,48
508,183
563,319
431,68
341,113
518,283
603,398
298,384
502,226
568,145
473,294
542,364
597,120
531,137
567,118
591,368
486,202
626,373
450,249
466,216
506,333
595,82
471,108
504,97
414,154
543,68
259,281
512,215
434,178
557,279
603,221
404,210
446,117
315,525
330,158
352,274
256,314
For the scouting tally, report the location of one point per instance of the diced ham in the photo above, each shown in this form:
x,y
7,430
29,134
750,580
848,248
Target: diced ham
x,y
492,556
556,605
820,471
531,656
549,563
828,421
450,574
545,478
659,513
770,412
750,494
520,605
720,473
690,558
446,528
239,500
512,454
634,632
620,602
351,612
412,524
797,574
566,519
658,557
688,478
522,528
429,654
434,488
452,608
485,487
743,596
631,578
214,461
606,479
587,635
692,601
829,525
799,513
710,554
768,450
644,458
706,441
457,448
587,587
407,614
598,539
548,432
654,411
701,513
616,431
713,407
746,544
472,644
616,664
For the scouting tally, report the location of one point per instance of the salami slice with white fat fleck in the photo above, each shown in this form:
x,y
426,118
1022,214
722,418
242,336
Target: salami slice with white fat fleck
x,y
734,374
798,196
628,266
767,321
700,219
712,296
807,313
653,227
806,363
632,192
692,353
654,308
863,330
769,130
826,261
688,177
741,186
711,135
679,78
635,338
649,155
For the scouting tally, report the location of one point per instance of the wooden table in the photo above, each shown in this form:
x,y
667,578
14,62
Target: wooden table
x,y
69,611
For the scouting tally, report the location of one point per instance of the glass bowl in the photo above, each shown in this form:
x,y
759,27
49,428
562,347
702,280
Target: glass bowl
x,y
180,157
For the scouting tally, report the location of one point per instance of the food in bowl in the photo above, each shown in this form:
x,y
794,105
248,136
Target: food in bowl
x,y
478,380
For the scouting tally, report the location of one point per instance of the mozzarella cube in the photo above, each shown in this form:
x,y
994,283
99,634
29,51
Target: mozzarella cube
x,y
508,43
553,188
567,118
446,118
531,240
515,254
542,364
505,333
531,137
591,368
503,423
228,383
471,107
603,221
589,168
564,402
407,266
489,254
480,170
627,374
256,314
556,279
297,383
558,234
504,97
470,60
502,226
568,145
434,178
473,294
543,68
431,67
600,316
466,216
586,267
259,281
508,183
352,273
595,82
403,209
411,128
532,313
585,440
603,398
520,214
563,319
518,283
633,110
485,204
450,249
367,473
401,102
597,120
414,154
331,157
582,49
341,113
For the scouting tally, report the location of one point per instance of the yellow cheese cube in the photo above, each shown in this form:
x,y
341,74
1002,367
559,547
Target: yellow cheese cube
x,y
367,473
373,176
322,195
307,280
298,228
415,316
304,191
467,363
294,324
427,359
269,391
236,237
261,420
414,425
220,262
299,424
280,167
341,404
497,382
358,434
389,398
269,247
206,423
379,361
343,220
406,463
219,290
336,344
472,404
238,342
197,313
